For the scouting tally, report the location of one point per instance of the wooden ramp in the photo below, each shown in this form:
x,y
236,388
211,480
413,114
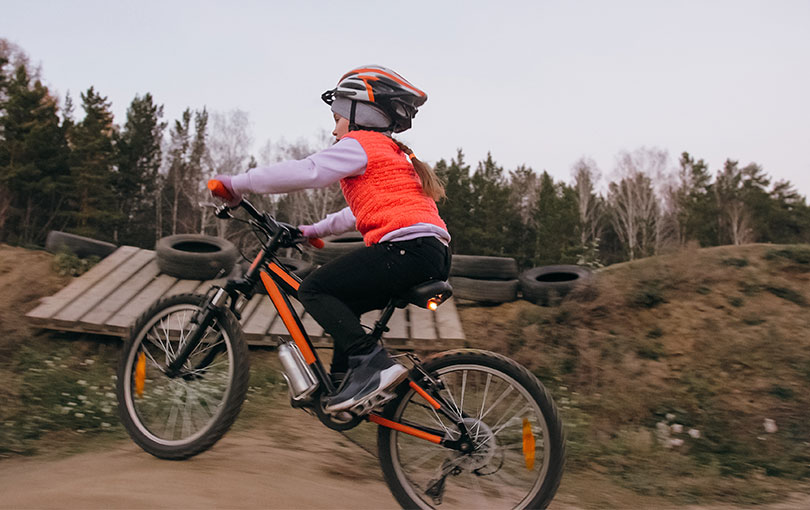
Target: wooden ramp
x,y
114,293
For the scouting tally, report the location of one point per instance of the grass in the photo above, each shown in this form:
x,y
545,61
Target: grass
x,y
54,388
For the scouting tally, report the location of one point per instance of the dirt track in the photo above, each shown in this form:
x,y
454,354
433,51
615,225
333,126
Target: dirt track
x,y
292,463
309,468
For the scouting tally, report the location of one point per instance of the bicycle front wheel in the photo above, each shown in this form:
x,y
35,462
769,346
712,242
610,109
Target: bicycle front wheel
x,y
181,416
518,448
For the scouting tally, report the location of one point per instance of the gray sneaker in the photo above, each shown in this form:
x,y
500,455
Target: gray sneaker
x,y
368,376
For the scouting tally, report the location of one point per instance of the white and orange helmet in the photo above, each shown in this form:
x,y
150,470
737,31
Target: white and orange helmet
x,y
395,96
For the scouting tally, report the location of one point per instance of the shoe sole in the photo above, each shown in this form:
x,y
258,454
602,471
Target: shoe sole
x,y
388,378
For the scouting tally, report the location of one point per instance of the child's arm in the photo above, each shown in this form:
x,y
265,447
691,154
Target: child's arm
x,y
335,223
344,159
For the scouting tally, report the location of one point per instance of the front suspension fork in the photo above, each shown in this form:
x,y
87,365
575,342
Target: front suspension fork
x,y
208,313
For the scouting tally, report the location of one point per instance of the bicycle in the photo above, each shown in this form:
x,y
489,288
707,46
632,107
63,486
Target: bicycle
x,y
468,428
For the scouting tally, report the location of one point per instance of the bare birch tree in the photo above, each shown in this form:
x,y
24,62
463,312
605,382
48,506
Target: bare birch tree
x,y
633,203
586,175
229,152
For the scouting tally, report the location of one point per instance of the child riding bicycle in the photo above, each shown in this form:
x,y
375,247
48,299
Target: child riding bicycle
x,y
392,201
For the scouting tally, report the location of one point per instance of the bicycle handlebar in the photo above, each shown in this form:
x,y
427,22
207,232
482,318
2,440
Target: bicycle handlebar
x,y
219,190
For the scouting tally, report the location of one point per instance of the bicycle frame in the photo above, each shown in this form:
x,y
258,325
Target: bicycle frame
x,y
280,284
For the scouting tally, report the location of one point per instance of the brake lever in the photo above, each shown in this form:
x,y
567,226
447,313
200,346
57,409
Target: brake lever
x,y
221,211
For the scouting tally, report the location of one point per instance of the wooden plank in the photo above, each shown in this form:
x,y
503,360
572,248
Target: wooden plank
x,y
247,311
397,326
102,290
448,322
423,324
260,322
127,315
53,304
278,327
182,287
118,299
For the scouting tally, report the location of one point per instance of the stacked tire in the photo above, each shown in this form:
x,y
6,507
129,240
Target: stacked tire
x,y
484,279
546,285
195,257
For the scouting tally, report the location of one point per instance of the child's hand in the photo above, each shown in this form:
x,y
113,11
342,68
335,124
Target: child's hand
x,y
236,197
308,231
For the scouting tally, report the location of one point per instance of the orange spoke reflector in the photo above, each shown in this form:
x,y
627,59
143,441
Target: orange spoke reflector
x,y
140,374
528,444
432,304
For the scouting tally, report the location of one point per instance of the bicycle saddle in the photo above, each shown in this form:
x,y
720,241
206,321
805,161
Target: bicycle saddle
x,y
426,295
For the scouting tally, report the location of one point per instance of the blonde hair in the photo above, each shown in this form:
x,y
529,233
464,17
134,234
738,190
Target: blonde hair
x,y
431,184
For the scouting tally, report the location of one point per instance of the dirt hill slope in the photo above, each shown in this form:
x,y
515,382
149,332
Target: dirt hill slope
x,y
684,375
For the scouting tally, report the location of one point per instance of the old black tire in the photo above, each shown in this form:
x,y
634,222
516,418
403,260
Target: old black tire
x,y
195,257
484,291
484,267
541,285
80,246
337,246
516,395
209,398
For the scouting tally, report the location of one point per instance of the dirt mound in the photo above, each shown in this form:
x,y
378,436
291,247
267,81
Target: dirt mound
x,y
678,374
25,277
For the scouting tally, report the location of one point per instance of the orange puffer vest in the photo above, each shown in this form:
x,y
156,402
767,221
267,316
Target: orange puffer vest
x,y
388,195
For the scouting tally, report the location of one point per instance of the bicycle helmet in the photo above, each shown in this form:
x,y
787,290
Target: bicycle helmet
x,y
378,86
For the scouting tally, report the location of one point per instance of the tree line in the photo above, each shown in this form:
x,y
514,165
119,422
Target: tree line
x,y
134,183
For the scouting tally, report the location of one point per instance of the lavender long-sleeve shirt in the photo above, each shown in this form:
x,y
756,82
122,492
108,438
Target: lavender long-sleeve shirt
x,y
346,158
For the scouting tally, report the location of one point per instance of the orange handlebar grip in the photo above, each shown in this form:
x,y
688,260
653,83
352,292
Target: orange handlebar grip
x,y
316,242
219,190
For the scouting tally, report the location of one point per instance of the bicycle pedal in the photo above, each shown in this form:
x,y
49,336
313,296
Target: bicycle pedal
x,y
374,403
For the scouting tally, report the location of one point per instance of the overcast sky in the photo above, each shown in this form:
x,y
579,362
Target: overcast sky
x,y
534,82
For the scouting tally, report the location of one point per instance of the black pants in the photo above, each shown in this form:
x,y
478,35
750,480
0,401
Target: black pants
x,y
366,279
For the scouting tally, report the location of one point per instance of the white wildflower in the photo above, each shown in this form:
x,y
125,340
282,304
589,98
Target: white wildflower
x,y
670,416
676,442
78,415
677,428
770,426
105,425
106,410
72,404
694,433
81,382
89,361
65,394
109,395
82,397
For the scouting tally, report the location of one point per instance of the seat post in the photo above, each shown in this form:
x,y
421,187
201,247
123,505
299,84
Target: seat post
x,y
381,326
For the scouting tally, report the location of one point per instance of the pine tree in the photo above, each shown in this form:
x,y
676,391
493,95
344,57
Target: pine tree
x,y
92,169
136,184
33,159
556,218
455,209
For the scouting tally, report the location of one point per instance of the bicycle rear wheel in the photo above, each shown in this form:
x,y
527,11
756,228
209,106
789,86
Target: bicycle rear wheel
x,y
518,454
179,417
